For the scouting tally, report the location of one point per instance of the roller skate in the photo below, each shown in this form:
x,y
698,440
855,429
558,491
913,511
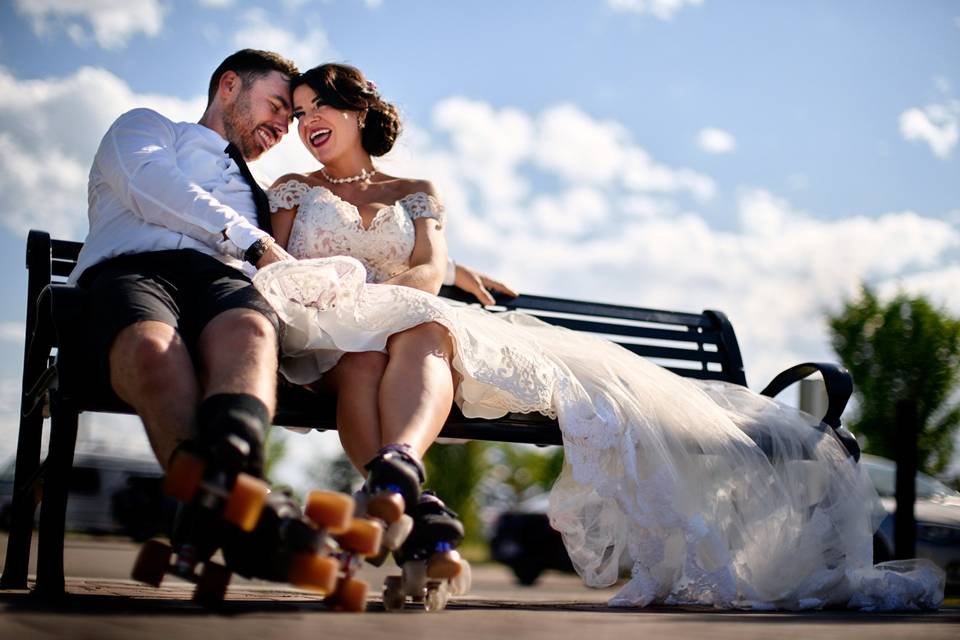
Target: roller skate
x,y
218,481
320,551
431,569
393,484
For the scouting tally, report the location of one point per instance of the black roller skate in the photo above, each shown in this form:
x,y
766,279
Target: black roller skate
x,y
320,551
393,484
217,478
431,569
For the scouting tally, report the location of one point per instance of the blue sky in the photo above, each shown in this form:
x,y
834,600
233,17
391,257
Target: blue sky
x,y
758,157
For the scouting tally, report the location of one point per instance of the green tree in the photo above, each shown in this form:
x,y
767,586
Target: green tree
x,y
454,471
902,350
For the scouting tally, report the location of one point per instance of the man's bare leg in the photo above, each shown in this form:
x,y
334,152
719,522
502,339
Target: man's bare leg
x,y
151,370
238,349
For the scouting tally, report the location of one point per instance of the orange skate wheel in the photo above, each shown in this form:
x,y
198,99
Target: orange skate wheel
x,y
184,476
246,501
330,510
212,585
152,562
350,595
313,572
445,564
386,505
363,537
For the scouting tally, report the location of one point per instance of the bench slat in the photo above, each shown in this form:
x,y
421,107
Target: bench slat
x,y
597,325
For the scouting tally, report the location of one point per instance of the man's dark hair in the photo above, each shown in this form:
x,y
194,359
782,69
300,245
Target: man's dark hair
x,y
250,64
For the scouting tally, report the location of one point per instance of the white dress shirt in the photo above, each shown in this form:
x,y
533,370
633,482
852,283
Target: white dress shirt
x,y
157,185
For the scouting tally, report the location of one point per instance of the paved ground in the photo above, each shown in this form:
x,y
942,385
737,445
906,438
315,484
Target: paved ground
x,y
105,605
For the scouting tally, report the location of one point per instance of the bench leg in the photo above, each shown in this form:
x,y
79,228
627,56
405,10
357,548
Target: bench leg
x,y
24,501
53,509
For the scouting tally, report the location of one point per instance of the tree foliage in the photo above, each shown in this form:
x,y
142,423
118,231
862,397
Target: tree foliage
x,y
905,350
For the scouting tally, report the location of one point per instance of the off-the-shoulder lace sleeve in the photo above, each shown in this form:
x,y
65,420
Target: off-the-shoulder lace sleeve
x,y
286,195
423,205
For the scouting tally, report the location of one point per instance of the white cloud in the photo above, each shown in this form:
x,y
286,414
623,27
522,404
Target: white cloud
x,y
110,23
717,141
49,133
216,4
661,9
936,124
307,49
12,332
373,4
622,231
940,285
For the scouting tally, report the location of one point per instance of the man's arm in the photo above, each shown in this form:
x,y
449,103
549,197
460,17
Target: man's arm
x,y
138,160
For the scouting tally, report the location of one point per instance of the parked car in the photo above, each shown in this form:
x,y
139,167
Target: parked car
x,y
937,511
109,494
524,540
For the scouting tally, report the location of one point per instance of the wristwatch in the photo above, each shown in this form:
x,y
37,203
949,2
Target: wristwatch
x,y
255,251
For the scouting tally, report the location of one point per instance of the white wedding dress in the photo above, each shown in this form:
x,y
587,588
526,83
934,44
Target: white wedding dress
x,y
661,468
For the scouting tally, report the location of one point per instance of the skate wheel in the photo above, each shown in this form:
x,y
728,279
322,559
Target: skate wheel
x,y
393,596
152,562
184,476
329,510
397,533
386,505
362,537
444,565
436,598
461,584
350,595
212,585
414,579
313,572
245,502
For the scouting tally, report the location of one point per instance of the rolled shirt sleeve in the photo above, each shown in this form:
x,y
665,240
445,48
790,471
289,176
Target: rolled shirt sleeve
x,y
138,159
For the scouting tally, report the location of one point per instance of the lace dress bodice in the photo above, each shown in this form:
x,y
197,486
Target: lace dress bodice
x,y
327,225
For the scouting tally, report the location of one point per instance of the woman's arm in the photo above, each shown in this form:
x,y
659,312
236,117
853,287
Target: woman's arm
x,y
284,196
428,261
282,222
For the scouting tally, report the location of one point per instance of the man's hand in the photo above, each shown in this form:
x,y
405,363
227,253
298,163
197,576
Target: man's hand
x,y
275,253
480,284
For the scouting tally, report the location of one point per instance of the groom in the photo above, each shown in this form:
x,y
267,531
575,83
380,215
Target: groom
x,y
186,340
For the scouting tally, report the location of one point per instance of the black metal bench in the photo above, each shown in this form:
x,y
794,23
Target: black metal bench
x,y
56,384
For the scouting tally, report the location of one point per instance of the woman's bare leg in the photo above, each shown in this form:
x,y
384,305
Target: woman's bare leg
x,y
416,392
356,379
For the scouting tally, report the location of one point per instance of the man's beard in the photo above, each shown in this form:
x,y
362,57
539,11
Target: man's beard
x,y
239,127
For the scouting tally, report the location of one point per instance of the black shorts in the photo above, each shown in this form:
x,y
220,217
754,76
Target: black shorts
x,y
182,288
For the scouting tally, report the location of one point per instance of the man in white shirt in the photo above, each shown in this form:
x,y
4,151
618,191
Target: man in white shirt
x,y
185,338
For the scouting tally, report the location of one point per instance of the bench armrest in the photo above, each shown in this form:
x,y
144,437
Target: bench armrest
x,y
839,385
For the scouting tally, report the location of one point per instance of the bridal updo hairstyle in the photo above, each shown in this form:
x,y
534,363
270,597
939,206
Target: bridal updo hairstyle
x,y
344,87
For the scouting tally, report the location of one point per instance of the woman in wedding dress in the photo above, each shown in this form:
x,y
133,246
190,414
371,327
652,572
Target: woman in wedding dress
x,y
665,470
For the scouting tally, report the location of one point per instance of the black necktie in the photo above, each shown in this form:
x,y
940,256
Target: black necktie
x,y
259,197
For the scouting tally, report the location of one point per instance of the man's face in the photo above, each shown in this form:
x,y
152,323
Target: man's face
x,y
258,113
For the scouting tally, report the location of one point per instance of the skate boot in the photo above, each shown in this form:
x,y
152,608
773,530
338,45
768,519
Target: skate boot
x,y
392,487
217,478
431,567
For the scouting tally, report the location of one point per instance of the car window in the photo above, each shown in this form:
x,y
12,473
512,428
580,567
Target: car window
x,y
884,479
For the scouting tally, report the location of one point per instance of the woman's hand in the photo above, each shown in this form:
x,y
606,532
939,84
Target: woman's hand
x,y
480,284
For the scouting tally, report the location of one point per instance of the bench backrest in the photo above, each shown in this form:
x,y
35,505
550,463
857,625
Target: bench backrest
x,y
693,345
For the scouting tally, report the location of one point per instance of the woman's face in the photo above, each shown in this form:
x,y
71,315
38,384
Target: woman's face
x,y
325,131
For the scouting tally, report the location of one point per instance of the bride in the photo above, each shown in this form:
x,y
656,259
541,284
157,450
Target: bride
x,y
662,469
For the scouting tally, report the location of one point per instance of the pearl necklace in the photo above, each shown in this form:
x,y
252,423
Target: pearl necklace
x,y
363,176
